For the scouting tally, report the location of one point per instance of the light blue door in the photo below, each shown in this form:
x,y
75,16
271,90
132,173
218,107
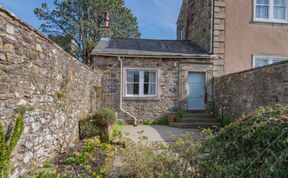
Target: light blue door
x,y
196,95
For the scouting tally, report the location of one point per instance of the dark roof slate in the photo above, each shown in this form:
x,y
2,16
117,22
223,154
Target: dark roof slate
x,y
144,47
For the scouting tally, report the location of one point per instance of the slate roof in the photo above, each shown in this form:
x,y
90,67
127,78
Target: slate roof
x,y
144,47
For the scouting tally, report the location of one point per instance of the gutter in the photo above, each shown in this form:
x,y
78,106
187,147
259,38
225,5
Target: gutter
x,y
121,93
212,28
199,56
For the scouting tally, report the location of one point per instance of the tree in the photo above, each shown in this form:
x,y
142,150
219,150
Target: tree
x,y
76,24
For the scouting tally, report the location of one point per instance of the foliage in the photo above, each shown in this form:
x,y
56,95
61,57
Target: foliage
x,y
89,128
166,119
160,160
9,140
76,25
104,117
223,119
117,131
254,146
92,159
97,123
162,121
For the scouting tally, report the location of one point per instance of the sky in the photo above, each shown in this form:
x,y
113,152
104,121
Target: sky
x,y
156,18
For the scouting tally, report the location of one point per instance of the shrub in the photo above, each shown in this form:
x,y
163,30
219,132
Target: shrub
x,y
97,124
160,160
89,128
253,146
117,131
104,117
162,121
226,121
9,140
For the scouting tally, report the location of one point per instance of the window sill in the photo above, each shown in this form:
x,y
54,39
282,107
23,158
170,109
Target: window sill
x,y
136,98
270,21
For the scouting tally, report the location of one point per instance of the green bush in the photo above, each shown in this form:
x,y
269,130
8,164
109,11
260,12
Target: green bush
x,y
162,121
88,128
96,124
104,117
253,146
226,121
160,160
117,131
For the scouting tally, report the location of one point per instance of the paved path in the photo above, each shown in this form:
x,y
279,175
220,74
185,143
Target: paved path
x,y
158,133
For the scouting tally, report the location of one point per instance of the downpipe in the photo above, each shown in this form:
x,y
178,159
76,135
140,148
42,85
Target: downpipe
x,y
121,93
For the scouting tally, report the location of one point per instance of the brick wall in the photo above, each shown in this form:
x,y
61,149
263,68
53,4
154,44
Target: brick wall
x,y
36,72
244,91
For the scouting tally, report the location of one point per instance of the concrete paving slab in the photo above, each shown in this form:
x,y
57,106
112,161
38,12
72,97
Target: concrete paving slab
x,y
159,133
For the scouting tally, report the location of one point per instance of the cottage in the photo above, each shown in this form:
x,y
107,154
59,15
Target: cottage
x,y
147,79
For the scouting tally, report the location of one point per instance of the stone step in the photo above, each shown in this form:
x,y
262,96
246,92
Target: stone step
x,y
197,115
194,125
196,120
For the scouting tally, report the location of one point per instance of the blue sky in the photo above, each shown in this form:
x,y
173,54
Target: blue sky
x,y
156,18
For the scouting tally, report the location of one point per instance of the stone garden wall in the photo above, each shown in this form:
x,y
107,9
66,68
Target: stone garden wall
x,y
36,72
244,91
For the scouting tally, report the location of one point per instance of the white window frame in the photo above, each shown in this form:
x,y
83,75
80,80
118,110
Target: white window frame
x,y
141,82
270,14
269,57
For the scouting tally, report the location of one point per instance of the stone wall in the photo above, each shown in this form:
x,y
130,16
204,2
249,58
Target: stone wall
x,y
243,92
36,72
169,98
195,17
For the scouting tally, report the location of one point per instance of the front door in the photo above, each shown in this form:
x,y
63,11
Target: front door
x,y
196,95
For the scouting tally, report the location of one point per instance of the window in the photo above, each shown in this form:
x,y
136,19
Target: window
x,y
141,83
270,10
182,33
260,61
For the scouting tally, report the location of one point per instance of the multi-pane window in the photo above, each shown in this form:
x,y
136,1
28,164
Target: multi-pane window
x,y
260,61
141,83
271,10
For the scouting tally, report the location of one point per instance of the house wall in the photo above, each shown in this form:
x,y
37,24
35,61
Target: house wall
x,y
195,17
243,37
36,72
170,99
245,91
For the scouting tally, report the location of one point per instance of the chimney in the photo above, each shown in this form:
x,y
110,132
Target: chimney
x,y
106,31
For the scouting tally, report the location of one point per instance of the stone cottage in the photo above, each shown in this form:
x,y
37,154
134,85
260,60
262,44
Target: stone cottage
x,y
147,79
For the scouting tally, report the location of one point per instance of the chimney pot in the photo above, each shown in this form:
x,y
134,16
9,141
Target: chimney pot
x,y
106,31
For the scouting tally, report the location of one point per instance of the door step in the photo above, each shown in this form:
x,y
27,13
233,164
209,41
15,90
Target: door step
x,y
195,120
194,125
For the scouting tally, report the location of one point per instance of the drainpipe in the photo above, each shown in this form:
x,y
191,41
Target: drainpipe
x,y
212,27
121,92
180,84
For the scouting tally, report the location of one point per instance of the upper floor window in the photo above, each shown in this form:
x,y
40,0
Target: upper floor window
x,y
260,61
141,83
271,10
182,34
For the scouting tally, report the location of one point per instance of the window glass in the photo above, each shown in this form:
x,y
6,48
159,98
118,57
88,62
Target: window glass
x,y
141,83
266,60
279,9
262,9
